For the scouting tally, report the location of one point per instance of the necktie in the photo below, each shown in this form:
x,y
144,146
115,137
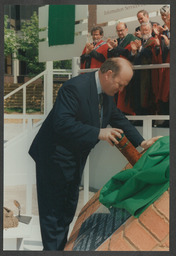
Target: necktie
x,y
101,108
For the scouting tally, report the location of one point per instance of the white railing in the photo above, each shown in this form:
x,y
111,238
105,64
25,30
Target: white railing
x,y
135,67
27,119
67,72
23,116
147,120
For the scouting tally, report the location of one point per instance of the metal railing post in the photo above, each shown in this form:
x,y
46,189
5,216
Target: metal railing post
x,y
49,86
29,124
147,128
75,66
24,108
44,94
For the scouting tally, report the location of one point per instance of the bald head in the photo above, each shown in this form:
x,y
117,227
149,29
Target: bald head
x,y
115,74
115,64
121,29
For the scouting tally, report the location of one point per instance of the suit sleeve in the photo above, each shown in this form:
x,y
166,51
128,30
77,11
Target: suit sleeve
x,y
116,52
118,120
71,131
84,57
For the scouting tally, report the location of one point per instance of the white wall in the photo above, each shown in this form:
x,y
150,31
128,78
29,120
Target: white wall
x,y
19,168
106,13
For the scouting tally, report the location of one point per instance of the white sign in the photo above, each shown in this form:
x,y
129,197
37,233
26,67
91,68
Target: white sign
x,y
63,52
106,13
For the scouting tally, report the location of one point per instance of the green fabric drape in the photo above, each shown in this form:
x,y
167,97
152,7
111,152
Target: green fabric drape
x,y
61,24
135,189
128,39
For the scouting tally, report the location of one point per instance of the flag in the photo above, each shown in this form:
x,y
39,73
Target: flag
x,y
61,24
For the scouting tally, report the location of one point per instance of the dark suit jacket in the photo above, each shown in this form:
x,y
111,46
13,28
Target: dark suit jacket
x,y
72,127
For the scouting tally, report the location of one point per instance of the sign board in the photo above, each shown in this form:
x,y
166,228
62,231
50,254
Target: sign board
x,y
106,13
63,52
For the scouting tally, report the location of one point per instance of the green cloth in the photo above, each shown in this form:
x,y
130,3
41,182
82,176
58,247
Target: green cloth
x,y
61,24
137,188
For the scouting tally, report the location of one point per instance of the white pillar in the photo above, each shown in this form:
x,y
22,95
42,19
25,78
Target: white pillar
x,y
15,68
75,66
48,94
147,128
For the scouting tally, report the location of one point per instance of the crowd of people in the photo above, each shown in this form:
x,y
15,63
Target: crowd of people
x,y
148,91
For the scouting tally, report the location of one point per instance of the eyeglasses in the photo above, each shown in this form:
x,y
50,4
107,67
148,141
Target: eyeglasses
x,y
121,30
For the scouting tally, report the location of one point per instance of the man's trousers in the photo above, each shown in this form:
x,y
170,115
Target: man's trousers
x,y
57,202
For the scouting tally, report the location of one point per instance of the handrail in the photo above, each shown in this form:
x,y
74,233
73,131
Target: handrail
x,y
21,116
151,66
24,116
63,70
25,84
67,72
135,67
152,117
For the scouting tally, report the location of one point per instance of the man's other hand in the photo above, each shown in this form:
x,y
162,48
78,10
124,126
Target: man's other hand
x,y
147,143
110,135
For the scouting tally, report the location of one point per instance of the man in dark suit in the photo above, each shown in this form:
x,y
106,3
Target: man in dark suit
x,y
68,134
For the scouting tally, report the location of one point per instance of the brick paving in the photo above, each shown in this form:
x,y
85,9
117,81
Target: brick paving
x,y
149,232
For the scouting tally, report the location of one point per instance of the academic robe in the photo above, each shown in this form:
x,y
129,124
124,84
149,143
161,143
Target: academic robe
x,y
96,57
124,50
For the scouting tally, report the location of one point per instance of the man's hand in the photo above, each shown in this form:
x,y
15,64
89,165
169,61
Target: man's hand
x,y
166,40
157,30
112,43
133,47
157,41
147,143
138,43
89,47
110,134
